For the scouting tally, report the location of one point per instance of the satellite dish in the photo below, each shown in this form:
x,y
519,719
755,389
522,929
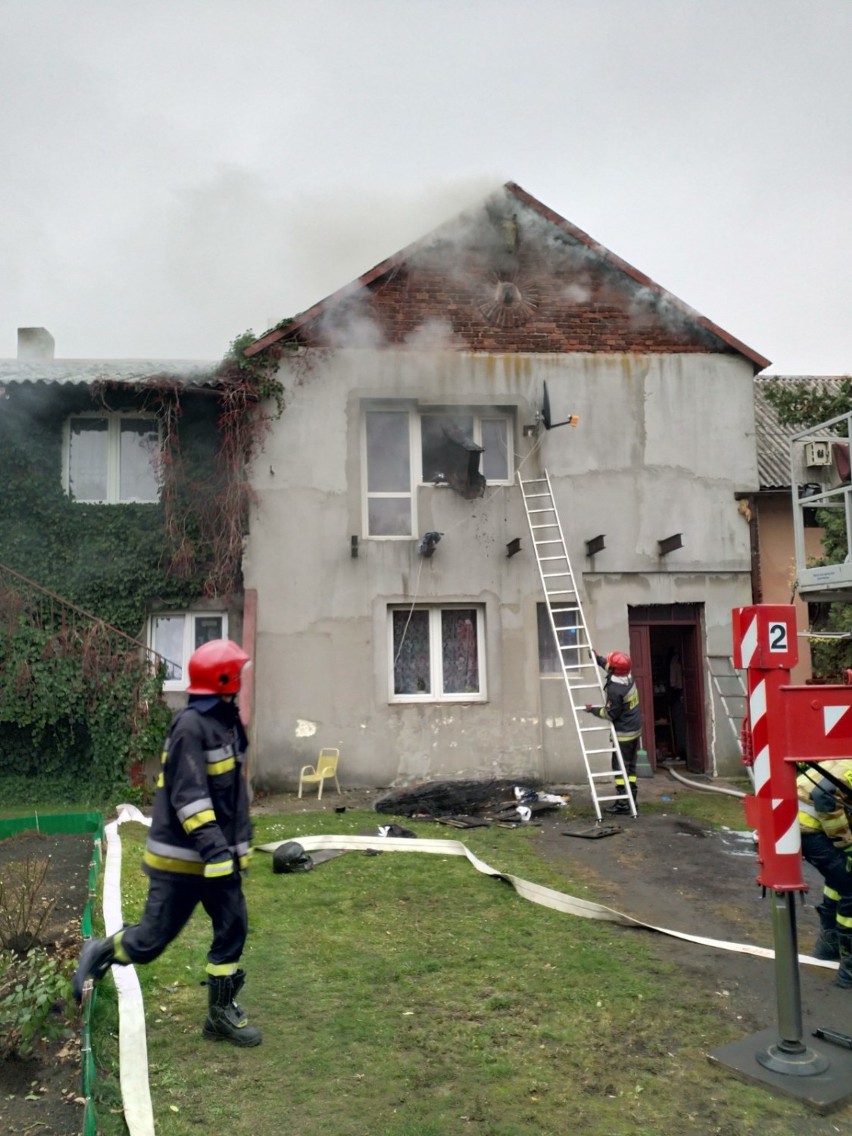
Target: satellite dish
x,y
546,416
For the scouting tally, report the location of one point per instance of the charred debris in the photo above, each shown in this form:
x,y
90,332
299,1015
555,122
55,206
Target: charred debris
x,y
472,804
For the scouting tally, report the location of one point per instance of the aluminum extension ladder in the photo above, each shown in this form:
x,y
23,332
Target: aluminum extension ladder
x,y
580,671
731,690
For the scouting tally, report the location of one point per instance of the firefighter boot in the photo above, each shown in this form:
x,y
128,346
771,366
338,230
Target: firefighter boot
x,y
622,807
225,1020
826,946
96,957
844,943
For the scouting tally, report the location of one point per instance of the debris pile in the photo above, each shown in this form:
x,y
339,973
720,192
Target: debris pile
x,y
470,804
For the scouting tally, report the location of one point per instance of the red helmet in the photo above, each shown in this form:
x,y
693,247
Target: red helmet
x,y
616,661
215,668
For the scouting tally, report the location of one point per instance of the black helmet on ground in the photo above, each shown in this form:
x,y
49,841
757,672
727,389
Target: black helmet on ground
x,y
291,857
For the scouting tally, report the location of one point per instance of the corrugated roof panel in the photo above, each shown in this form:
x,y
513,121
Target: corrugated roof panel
x,y
773,439
183,372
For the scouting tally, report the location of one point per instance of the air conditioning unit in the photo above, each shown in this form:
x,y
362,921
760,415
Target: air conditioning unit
x,y
817,453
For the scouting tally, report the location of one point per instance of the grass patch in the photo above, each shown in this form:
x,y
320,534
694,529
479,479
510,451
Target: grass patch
x,y
718,810
409,995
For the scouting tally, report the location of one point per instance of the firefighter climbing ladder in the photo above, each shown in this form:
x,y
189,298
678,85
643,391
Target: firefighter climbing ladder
x,y
582,676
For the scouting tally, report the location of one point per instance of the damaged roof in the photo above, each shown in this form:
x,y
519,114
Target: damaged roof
x,y
511,276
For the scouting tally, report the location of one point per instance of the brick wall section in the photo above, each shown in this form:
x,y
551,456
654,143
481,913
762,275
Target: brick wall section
x,y
559,304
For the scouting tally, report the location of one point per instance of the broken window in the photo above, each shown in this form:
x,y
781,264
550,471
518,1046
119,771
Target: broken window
x,y
451,445
460,448
112,458
177,635
436,653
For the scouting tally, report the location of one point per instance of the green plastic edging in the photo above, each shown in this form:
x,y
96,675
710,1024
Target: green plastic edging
x,y
70,824
53,823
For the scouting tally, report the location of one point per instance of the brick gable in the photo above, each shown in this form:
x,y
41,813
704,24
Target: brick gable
x,y
511,277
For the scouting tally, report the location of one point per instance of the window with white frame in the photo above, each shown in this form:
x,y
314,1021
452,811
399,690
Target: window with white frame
x,y
387,437
177,634
405,447
549,661
112,458
436,653
439,443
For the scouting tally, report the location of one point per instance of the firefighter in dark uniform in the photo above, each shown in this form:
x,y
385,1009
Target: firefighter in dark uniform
x,y
622,709
827,846
198,845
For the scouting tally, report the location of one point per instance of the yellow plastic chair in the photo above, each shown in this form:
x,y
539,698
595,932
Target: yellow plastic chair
x,y
325,768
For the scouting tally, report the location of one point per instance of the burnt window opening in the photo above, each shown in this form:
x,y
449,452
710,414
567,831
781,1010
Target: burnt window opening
x,y
464,451
451,456
464,447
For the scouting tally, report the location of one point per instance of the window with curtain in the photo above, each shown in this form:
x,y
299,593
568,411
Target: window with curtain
x,y
436,653
112,458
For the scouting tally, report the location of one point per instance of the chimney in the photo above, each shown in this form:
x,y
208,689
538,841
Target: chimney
x,y
35,343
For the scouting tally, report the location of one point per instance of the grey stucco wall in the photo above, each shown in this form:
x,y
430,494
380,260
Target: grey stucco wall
x,y
663,444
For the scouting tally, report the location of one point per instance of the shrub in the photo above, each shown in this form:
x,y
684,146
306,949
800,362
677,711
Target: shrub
x,y
24,907
34,992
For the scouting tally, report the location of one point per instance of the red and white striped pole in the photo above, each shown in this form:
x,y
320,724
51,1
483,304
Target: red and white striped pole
x,y
765,647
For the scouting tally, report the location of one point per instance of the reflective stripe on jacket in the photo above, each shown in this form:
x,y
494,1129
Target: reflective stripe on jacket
x,y
622,706
815,790
201,810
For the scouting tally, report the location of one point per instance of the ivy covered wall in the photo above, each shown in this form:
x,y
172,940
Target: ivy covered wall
x,y
77,708
113,560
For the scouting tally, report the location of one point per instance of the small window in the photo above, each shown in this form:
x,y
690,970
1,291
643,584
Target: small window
x,y
549,661
112,458
436,654
177,635
388,464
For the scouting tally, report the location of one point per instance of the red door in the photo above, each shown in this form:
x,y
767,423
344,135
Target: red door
x,y
640,656
673,708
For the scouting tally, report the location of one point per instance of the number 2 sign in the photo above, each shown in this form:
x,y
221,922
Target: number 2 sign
x,y
764,636
778,638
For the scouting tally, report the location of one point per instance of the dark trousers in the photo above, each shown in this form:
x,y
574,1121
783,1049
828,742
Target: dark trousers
x,y
628,754
170,903
831,863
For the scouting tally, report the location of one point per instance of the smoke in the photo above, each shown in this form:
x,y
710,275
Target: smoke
x,y
192,268
576,293
332,242
433,335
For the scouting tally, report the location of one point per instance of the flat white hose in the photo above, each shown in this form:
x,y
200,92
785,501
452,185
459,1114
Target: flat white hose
x,y
705,787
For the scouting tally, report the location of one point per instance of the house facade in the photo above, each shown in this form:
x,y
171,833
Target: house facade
x,y
105,464
396,606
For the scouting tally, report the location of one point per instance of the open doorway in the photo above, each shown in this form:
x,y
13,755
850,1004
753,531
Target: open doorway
x,y
665,646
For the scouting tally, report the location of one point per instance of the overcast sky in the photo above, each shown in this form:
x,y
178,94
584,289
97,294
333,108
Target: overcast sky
x,y
179,171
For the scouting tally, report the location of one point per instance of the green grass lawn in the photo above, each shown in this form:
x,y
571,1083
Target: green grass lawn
x,y
409,995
